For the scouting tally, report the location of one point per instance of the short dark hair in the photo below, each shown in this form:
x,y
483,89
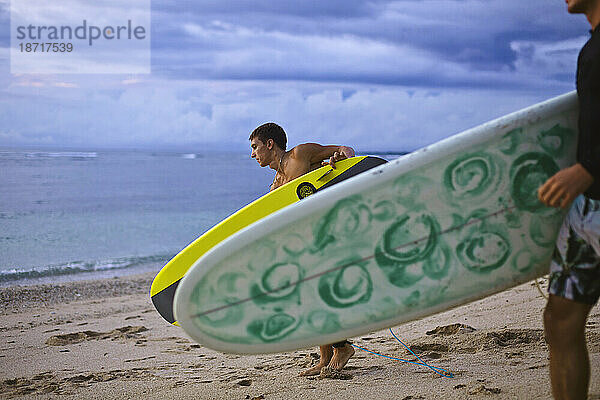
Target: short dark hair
x,y
270,130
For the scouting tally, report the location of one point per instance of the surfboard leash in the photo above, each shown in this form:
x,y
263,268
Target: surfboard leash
x,y
444,373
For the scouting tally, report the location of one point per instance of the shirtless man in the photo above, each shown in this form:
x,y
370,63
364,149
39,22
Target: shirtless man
x,y
268,143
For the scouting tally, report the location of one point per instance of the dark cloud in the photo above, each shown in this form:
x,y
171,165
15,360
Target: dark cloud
x,y
245,8
476,34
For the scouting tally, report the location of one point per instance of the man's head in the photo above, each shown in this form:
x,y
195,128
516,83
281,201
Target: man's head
x,y
270,130
263,139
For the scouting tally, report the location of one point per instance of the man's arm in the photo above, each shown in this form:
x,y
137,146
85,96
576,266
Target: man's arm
x,y
316,153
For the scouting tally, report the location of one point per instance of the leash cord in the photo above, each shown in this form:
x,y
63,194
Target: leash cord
x,y
445,373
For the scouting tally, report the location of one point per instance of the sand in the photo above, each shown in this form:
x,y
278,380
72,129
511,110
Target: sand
x,y
103,339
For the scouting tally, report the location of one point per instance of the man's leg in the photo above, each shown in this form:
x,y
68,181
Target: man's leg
x,y
326,355
574,287
564,325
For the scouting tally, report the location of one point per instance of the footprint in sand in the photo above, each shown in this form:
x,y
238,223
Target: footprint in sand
x,y
47,382
451,329
330,373
512,337
478,388
140,359
458,338
124,333
423,347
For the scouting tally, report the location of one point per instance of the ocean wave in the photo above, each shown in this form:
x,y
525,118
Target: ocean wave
x,y
70,154
76,267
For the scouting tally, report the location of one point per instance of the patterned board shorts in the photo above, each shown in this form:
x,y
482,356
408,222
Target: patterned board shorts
x,y
575,268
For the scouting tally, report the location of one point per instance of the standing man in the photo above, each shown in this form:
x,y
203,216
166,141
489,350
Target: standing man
x,y
268,143
575,270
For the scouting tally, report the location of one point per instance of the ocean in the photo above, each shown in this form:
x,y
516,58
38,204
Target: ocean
x,y
71,215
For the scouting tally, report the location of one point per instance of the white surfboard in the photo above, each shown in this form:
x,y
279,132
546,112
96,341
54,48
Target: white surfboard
x,y
448,224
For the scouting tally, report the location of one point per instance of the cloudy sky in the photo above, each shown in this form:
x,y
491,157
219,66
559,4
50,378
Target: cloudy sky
x,y
377,75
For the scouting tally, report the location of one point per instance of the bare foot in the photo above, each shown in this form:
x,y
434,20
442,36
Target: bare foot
x,y
340,358
326,355
316,370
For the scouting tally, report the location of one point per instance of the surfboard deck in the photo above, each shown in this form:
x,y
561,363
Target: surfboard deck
x,y
451,223
166,281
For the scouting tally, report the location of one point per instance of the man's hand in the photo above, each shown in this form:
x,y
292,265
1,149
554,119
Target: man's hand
x,y
342,153
564,186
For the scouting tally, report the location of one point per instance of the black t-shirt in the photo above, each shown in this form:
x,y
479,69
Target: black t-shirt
x,y
588,91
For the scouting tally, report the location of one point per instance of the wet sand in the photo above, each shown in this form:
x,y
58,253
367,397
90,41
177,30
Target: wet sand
x,y
103,339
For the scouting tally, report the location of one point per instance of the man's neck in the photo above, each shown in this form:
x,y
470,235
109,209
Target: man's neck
x,y
593,15
277,157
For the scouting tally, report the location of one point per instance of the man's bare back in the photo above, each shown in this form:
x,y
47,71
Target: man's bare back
x,y
305,158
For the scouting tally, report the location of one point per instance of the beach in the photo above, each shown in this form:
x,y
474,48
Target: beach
x,y
103,339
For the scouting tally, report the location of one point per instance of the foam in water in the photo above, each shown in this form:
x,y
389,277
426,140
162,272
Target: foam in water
x,y
75,267
70,154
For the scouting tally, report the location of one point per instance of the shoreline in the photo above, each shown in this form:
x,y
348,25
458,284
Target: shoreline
x,y
103,339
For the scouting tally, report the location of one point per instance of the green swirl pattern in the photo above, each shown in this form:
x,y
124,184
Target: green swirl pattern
x,y
483,252
273,328
554,140
278,283
471,175
408,241
349,218
528,173
438,234
347,287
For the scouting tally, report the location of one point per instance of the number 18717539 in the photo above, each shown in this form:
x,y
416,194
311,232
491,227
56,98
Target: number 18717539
x,y
46,47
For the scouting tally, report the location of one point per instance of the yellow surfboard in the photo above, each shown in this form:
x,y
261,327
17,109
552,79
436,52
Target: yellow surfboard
x,y
166,281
